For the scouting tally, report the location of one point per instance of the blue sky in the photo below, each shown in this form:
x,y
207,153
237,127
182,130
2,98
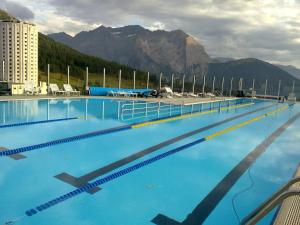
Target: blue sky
x,y
264,29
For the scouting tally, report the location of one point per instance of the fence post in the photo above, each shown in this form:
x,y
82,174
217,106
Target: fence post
x,y
172,84
148,75
68,74
183,78
222,89
279,85
266,88
160,76
194,81
120,78
104,77
48,75
230,92
203,87
134,79
213,86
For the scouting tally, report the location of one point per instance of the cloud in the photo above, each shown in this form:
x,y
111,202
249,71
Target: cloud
x,y
265,29
17,10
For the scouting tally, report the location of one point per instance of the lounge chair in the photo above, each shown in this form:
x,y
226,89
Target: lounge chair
x,y
69,90
178,95
29,88
55,90
192,95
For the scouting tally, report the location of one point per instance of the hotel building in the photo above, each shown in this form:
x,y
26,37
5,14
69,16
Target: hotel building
x,y
18,52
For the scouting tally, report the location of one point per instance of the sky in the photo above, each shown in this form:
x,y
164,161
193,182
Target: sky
x,y
265,29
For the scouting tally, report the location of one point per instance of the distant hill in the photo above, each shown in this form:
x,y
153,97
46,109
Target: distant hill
x,y
252,68
60,55
154,51
291,70
5,16
222,60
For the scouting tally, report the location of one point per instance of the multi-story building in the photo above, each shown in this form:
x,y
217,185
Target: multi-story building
x,y
18,52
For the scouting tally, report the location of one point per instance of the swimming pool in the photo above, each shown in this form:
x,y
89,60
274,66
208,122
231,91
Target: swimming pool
x,y
103,161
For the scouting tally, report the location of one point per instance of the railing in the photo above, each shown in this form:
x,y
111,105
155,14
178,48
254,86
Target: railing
x,y
137,110
276,199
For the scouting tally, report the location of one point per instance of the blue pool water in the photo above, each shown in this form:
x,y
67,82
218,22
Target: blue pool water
x,y
171,187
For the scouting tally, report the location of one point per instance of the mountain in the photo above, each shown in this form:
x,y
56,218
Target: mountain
x,y
250,69
222,60
60,55
5,16
154,51
291,70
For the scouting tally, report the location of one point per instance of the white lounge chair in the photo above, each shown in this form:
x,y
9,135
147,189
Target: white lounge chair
x,y
178,95
55,90
29,88
190,94
69,90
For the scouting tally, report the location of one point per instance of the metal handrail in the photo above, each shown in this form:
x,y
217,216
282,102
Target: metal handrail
x,y
276,199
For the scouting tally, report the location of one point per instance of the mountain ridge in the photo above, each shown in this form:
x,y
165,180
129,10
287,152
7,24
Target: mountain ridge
x,y
155,51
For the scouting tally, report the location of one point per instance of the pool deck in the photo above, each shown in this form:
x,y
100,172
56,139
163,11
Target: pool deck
x,y
175,101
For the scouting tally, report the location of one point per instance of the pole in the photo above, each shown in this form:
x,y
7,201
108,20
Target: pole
x,y
213,86
266,88
48,74
222,89
183,83
241,84
160,81
148,76
68,74
134,79
293,88
203,87
172,84
104,77
279,85
87,79
231,81
194,81
120,78
253,86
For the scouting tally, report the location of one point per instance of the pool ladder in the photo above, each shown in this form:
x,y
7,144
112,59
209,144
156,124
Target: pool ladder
x,y
276,199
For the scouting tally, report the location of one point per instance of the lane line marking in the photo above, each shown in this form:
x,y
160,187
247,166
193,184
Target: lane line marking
x,y
137,166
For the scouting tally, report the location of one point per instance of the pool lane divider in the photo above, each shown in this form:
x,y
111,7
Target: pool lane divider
x,y
86,178
112,130
214,197
139,165
15,156
36,122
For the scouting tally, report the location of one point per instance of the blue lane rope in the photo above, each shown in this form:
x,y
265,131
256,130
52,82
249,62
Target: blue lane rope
x,y
9,152
110,177
36,122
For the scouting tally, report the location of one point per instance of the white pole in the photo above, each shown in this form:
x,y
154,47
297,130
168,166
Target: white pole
x,y
87,79
183,83
160,81
134,79
68,74
222,89
266,88
3,70
120,78
279,85
148,77
48,73
104,77
194,81
253,86
242,84
231,81
213,86
172,83
293,88
203,87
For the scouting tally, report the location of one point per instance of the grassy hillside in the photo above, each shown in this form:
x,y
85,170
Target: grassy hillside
x,y
59,56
